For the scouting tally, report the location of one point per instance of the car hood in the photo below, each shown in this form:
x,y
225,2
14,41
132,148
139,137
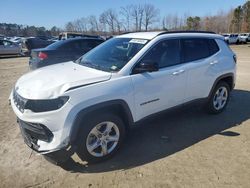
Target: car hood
x,y
52,81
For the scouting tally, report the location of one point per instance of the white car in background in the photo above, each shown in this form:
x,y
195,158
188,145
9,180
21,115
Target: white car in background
x,y
243,37
226,36
231,38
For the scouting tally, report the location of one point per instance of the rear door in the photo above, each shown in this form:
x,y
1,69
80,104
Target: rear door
x,y
202,65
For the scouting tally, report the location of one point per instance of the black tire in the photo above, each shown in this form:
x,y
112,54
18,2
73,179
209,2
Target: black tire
x,y
87,126
211,107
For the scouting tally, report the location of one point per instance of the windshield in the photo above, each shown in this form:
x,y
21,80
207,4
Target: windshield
x,y
113,54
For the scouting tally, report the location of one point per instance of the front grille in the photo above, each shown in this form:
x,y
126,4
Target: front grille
x,y
19,101
32,132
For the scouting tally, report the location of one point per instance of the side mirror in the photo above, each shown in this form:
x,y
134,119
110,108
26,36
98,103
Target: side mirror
x,y
146,66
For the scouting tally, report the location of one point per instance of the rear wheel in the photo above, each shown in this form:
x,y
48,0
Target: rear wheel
x,y
219,98
100,137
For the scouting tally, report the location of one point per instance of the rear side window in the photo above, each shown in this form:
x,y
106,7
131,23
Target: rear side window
x,y
213,47
194,49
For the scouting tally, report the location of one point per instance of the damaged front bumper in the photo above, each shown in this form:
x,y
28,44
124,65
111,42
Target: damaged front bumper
x,y
32,132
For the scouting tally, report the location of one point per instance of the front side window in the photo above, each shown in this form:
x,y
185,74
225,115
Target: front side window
x,y
166,53
194,49
112,55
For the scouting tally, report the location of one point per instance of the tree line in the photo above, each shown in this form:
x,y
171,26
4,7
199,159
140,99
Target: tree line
x,y
141,17
144,17
7,29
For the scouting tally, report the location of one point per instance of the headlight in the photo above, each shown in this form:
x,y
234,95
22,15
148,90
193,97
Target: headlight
x,y
46,105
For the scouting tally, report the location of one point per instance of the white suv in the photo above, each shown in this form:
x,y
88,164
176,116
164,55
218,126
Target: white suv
x,y
232,38
88,105
243,38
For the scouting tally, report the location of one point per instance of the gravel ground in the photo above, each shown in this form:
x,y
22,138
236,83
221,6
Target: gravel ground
x,y
184,148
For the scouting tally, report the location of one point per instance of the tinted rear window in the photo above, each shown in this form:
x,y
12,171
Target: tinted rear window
x,y
213,47
72,45
194,49
56,45
94,43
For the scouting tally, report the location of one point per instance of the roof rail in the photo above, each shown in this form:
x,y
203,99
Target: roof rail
x,y
186,31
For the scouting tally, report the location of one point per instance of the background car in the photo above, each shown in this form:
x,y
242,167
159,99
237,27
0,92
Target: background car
x,y
248,37
243,37
62,51
9,48
69,35
231,38
34,43
226,37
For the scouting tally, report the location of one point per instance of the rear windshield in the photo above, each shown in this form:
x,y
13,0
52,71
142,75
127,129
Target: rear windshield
x,y
56,45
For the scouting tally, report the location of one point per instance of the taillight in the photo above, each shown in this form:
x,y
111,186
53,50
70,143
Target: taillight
x,y
235,58
42,55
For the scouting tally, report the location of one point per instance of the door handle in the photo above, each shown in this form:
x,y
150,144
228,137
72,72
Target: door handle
x,y
214,62
178,72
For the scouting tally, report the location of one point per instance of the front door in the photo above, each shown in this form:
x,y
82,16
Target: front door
x,y
162,89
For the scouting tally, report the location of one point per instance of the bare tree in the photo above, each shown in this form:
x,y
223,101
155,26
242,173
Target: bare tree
x,y
109,17
94,26
150,15
137,15
77,24
102,21
69,26
167,22
126,16
172,22
83,24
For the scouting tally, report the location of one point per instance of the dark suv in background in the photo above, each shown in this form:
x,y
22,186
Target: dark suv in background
x,y
62,51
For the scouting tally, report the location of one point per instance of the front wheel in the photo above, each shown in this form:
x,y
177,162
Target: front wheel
x,y
219,98
100,137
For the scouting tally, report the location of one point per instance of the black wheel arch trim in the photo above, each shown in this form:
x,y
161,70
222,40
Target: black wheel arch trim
x,y
219,79
99,108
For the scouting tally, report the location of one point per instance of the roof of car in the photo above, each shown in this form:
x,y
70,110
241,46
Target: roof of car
x,y
82,38
151,35
141,35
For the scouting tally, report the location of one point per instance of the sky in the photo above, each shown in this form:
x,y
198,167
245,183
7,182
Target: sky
x,y
48,13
